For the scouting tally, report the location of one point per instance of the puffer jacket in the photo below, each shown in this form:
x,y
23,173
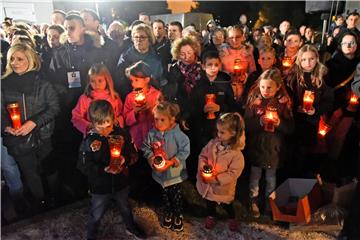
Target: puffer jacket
x,y
228,163
176,145
41,104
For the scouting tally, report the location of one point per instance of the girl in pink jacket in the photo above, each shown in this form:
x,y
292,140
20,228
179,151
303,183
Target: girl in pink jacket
x,y
99,86
140,102
220,165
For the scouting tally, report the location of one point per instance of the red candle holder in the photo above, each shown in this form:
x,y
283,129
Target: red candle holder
x,y
14,112
159,154
116,160
324,128
140,97
210,98
240,66
308,100
207,171
286,62
353,102
270,118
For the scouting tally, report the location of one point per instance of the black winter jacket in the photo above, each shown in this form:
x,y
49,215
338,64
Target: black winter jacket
x,y
101,182
41,104
266,149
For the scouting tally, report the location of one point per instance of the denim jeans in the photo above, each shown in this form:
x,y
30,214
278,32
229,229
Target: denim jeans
x,y
11,173
255,176
99,204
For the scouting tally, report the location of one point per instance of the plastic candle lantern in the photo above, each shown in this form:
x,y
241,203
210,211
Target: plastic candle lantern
x,y
210,98
353,103
159,155
116,160
239,66
323,128
308,100
14,112
140,98
207,171
286,62
269,121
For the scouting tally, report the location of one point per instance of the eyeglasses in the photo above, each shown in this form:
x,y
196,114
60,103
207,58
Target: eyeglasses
x,y
352,43
140,38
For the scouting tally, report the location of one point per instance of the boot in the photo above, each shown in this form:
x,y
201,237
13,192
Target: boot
x,y
254,207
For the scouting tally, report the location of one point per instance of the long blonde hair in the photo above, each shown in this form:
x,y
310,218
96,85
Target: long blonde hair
x,y
234,122
32,57
100,69
317,73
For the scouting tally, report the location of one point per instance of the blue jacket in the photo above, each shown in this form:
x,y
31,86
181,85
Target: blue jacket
x,y
176,145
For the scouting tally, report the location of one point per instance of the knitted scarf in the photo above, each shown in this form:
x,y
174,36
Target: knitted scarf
x,y
191,73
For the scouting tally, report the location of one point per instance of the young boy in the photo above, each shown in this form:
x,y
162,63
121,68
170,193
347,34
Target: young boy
x,y
212,81
104,183
292,44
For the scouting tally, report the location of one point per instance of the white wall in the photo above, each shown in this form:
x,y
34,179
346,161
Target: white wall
x,y
38,11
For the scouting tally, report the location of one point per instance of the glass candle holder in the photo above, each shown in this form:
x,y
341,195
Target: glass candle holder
x,y
308,100
140,97
324,128
116,160
240,66
210,98
353,102
286,62
271,116
14,112
159,154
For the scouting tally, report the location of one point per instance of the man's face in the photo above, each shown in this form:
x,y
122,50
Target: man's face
x,y
284,27
57,18
174,32
90,22
243,19
74,31
159,30
352,21
145,19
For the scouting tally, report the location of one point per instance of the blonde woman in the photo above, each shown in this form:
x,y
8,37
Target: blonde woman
x,y
37,101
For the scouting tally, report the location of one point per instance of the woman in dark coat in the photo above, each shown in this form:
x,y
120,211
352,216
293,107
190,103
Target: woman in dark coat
x,y
38,104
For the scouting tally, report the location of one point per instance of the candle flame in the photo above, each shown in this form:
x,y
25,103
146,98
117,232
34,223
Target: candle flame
x,y
115,152
354,99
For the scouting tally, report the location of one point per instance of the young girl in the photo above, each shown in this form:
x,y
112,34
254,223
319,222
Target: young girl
x,y
223,156
105,184
265,144
168,141
308,74
99,86
139,117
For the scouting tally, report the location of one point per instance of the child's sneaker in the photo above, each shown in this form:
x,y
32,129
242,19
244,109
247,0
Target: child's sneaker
x,y
210,222
177,224
233,226
167,222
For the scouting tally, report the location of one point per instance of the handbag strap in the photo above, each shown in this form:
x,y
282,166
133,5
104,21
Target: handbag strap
x,y
343,83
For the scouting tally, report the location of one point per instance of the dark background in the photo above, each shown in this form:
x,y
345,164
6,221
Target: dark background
x,y
227,12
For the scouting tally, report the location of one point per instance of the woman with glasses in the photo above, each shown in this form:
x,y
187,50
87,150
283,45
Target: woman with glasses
x,y
344,135
142,50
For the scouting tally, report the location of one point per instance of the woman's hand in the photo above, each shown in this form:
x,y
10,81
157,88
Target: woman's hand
x,y
25,129
10,130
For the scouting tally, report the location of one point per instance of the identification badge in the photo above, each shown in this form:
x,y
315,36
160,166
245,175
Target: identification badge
x,y
74,79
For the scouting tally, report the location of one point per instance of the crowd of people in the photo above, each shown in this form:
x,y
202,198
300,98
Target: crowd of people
x,y
180,104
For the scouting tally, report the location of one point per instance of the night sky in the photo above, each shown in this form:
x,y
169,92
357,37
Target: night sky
x,y
227,12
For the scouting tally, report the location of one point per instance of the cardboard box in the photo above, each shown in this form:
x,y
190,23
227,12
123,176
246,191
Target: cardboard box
x,y
295,200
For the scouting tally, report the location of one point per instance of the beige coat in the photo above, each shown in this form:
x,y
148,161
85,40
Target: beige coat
x,y
228,164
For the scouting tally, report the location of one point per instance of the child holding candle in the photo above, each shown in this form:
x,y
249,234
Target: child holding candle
x,y
100,86
95,156
311,98
139,118
211,96
268,105
168,142
222,154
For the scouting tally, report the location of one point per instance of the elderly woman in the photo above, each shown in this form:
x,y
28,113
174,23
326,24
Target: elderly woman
x,y
28,141
116,32
143,38
216,39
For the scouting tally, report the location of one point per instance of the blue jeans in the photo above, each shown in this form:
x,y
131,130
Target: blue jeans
x,y
255,176
10,172
99,204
